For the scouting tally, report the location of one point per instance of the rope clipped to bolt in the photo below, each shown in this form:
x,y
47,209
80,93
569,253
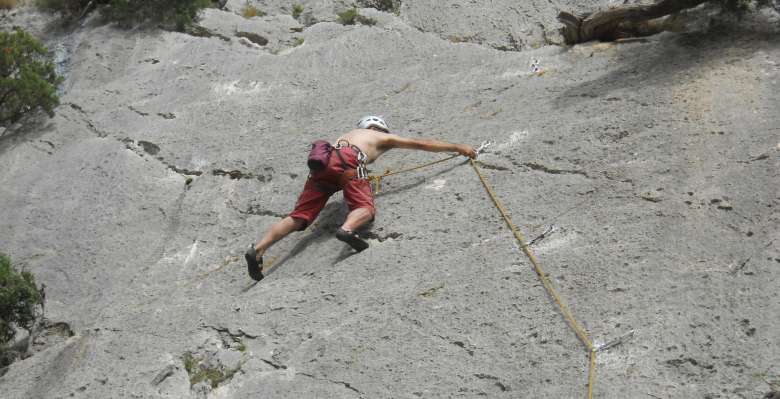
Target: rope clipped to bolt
x,y
582,335
376,180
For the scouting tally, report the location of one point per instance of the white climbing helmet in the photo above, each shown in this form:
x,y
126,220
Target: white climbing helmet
x,y
375,121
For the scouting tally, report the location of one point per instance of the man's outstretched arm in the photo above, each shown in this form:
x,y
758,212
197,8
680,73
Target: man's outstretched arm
x,y
394,141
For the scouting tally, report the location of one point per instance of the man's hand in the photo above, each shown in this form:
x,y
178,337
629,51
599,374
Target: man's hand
x,y
467,151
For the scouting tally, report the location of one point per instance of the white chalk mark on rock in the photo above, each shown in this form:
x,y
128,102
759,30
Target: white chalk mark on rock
x,y
191,255
514,140
437,184
236,87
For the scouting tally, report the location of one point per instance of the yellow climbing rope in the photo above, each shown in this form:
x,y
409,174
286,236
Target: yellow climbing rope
x,y
572,322
377,179
542,276
581,333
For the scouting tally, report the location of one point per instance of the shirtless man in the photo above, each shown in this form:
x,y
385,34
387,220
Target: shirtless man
x,y
345,171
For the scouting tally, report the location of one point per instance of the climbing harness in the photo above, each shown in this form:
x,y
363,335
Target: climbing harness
x,y
361,172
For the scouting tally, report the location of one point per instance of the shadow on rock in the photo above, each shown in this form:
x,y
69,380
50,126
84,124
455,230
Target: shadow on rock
x,y
420,181
668,60
329,220
31,129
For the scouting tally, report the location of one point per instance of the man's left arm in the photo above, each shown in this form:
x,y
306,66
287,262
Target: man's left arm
x,y
394,141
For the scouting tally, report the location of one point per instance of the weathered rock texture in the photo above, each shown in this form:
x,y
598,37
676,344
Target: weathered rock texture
x,y
657,160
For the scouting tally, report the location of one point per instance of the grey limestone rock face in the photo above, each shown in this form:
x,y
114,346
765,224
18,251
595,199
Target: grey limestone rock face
x,y
656,160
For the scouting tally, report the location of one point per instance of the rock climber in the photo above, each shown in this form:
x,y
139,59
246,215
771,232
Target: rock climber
x,y
345,170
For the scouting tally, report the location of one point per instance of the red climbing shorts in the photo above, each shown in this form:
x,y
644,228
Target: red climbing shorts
x,y
321,185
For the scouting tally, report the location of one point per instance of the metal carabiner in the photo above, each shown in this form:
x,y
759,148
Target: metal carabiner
x,y
482,147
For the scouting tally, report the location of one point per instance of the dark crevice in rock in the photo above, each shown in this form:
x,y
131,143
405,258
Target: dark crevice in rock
x,y
431,291
167,115
650,197
611,176
152,149
756,158
238,334
237,175
740,266
131,108
381,238
279,366
498,383
89,123
163,375
149,147
483,376
255,210
199,31
546,169
680,362
253,37
342,383
491,166
182,171
513,44
463,345
275,365
276,309
459,344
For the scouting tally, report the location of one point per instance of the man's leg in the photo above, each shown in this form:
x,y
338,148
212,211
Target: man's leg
x,y
357,218
360,200
276,232
310,203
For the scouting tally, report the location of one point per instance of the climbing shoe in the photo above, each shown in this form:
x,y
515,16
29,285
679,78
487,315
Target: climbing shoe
x,y
254,266
351,238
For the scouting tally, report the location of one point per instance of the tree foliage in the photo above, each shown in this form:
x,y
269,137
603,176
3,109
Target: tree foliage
x,y
178,13
181,13
641,19
19,298
28,81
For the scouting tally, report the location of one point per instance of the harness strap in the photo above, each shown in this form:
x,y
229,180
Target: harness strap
x,y
343,162
360,171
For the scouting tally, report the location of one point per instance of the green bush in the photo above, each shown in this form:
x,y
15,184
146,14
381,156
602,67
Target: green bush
x,y
297,10
68,7
250,11
177,13
27,78
348,16
351,16
18,299
393,6
180,13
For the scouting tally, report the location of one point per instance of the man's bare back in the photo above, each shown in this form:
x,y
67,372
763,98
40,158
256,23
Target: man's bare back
x,y
369,141
374,143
